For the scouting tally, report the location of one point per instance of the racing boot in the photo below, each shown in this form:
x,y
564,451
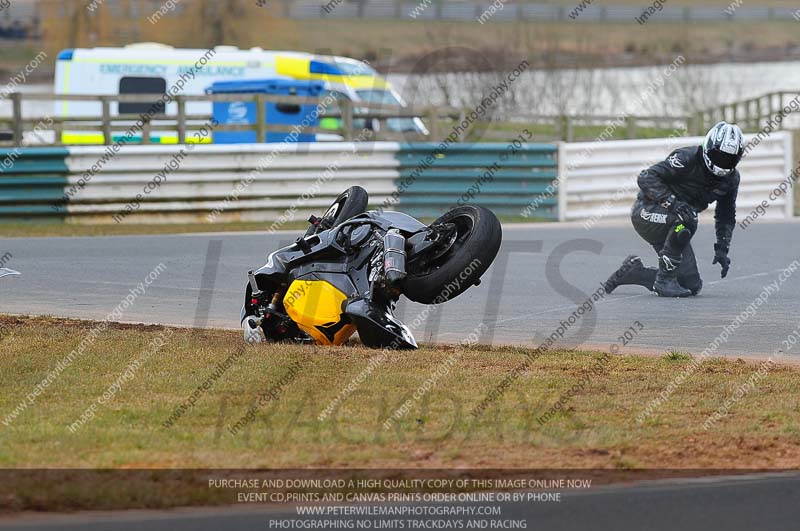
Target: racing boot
x,y
666,283
632,272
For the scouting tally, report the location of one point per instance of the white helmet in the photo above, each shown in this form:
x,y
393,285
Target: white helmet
x,y
723,148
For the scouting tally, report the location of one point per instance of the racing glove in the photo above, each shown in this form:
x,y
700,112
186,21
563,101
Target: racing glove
x,y
721,258
681,208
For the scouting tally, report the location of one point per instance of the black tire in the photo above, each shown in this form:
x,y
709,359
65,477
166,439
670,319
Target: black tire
x,y
350,203
479,239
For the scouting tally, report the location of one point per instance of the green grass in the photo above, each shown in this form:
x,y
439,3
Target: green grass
x,y
595,429
674,355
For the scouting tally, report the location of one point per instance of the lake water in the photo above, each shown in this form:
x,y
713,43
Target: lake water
x,y
609,91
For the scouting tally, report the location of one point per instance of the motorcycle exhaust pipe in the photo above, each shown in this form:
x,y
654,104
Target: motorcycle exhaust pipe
x,y
394,256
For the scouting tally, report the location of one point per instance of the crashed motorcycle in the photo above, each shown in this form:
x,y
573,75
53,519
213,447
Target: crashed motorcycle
x,y
348,271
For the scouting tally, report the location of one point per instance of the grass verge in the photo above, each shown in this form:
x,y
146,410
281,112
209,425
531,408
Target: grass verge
x,y
133,389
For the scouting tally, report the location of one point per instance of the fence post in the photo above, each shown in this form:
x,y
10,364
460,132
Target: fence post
x,y
181,100
16,99
631,130
434,123
566,128
346,107
462,115
106,120
789,145
758,113
261,118
561,176
146,131
58,129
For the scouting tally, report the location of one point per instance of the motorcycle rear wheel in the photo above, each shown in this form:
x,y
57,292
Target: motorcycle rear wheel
x,y
479,235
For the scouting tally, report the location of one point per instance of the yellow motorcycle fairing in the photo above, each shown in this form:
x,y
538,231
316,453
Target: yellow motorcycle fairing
x,y
316,307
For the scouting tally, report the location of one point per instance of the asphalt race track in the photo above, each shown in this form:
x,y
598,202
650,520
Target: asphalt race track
x,y
732,504
543,274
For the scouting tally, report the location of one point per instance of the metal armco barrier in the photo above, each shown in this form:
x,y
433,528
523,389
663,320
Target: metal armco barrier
x,y
598,179
286,182
32,179
248,182
224,181
502,177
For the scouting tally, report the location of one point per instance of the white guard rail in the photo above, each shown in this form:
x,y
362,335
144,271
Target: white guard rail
x,y
598,179
206,177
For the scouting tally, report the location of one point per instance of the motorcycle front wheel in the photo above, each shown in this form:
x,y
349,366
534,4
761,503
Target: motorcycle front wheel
x,y
350,203
477,241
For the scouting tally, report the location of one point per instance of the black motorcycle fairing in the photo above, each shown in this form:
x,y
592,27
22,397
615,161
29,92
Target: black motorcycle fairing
x,y
378,327
397,220
322,262
283,260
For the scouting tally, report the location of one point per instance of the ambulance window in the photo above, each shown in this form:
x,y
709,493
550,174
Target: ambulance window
x,y
156,86
330,100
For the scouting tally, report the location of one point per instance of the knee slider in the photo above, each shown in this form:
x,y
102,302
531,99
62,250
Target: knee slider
x,y
683,234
